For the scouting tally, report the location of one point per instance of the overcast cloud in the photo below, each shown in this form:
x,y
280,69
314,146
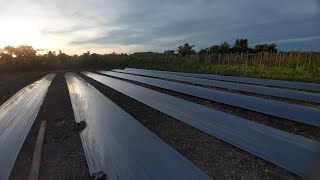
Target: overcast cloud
x,y
142,25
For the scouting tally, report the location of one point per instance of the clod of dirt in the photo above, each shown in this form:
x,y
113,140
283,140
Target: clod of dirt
x,y
98,176
80,126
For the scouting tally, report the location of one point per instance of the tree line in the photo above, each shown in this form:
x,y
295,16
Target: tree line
x,y
239,46
25,58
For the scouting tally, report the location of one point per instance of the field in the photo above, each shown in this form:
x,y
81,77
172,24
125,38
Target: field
x,y
294,66
64,157
172,90
282,66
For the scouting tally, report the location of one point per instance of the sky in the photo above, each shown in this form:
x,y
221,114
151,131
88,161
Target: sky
x,y
127,26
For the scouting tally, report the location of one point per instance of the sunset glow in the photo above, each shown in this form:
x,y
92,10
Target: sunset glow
x,y
19,33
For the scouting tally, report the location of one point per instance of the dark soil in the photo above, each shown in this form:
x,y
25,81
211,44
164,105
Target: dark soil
x,y
63,156
218,159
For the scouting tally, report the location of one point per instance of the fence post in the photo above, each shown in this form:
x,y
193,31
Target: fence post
x,y
298,60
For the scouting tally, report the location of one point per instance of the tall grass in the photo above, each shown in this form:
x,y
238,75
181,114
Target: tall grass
x,y
309,60
296,66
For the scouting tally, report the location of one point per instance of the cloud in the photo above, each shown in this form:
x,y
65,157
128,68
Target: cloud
x,y
294,40
207,22
122,37
74,25
66,30
137,38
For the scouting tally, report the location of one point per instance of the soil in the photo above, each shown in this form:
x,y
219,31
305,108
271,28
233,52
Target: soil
x,y
218,159
63,156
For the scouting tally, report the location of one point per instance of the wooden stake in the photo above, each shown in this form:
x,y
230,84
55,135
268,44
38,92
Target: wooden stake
x,y
36,159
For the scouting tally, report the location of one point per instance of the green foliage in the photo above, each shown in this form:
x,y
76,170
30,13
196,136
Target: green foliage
x,y
285,71
264,62
266,48
24,58
203,52
241,45
186,49
223,48
22,52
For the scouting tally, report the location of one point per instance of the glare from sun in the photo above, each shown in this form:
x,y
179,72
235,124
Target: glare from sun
x,y
16,34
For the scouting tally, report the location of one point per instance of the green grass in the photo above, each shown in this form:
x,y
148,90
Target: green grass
x,y
290,73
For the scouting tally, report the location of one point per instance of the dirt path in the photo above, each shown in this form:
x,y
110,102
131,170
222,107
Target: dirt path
x,y
63,156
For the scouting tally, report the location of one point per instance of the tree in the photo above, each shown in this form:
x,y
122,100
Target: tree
x,y
266,48
186,49
272,48
94,58
62,57
26,53
203,51
51,55
86,55
213,49
22,52
6,57
224,48
10,50
241,45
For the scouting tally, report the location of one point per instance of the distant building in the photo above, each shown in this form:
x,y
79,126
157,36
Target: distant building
x,y
169,52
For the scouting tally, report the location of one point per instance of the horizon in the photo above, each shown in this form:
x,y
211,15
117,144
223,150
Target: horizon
x,y
76,27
